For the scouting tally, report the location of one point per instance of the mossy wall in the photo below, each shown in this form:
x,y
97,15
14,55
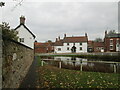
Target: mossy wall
x,y
17,59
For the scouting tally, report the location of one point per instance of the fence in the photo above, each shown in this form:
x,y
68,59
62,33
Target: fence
x,y
81,63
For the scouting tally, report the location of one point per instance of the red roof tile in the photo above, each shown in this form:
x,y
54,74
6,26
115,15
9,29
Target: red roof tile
x,y
75,39
58,43
71,40
98,44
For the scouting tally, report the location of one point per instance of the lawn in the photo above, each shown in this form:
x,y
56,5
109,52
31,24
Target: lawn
x,y
53,77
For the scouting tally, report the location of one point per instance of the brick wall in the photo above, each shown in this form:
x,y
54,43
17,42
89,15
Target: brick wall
x,y
107,44
17,59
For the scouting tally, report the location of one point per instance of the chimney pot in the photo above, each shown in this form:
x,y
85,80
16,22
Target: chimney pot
x,y
64,35
86,34
56,39
22,20
59,37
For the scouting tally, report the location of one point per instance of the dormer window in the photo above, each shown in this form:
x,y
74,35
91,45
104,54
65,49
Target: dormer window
x,y
21,39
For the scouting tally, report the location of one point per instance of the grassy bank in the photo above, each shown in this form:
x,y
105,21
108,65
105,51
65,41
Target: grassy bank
x,y
97,57
53,77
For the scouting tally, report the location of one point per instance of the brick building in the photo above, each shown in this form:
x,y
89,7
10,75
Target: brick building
x,y
95,46
112,42
98,46
44,47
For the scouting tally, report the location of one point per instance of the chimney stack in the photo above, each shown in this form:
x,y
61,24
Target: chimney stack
x,y
22,20
105,32
86,34
56,39
59,37
64,35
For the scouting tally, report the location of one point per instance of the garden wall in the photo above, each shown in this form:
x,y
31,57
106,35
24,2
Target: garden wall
x,y
17,59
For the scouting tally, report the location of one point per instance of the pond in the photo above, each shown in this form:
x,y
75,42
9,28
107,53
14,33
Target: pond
x,y
75,63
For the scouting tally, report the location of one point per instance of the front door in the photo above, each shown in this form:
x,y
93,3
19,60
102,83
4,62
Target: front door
x,y
73,49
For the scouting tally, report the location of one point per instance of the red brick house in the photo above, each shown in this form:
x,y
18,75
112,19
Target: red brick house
x,y
90,46
95,46
44,47
98,46
112,42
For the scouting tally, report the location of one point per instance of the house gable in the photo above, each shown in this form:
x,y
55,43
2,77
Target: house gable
x,y
26,37
25,28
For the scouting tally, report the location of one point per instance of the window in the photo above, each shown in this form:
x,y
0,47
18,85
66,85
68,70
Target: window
x,y
111,47
111,41
21,39
80,43
59,49
117,41
67,48
80,48
67,43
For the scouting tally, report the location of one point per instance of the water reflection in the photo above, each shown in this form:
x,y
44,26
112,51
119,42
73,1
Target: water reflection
x,y
74,63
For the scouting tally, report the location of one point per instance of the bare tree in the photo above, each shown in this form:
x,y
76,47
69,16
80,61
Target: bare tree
x,y
19,3
111,32
98,40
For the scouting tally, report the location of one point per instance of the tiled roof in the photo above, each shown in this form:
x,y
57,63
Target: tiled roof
x,y
58,43
113,35
41,44
70,40
90,43
75,39
98,44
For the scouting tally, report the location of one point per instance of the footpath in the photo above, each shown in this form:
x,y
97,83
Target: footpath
x,y
30,81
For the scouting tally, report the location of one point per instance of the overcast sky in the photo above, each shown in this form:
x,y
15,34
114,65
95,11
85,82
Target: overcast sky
x,y
48,20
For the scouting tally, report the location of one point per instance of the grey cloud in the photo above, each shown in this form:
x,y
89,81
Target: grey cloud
x,y
51,19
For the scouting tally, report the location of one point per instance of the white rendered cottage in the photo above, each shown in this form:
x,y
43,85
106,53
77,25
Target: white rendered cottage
x,y
26,37
71,44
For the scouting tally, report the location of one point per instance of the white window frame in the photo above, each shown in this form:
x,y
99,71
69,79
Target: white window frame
x,y
111,41
59,49
111,46
68,44
80,43
81,49
21,39
68,48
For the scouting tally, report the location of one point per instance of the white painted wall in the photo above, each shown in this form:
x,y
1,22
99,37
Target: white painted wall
x,y
77,45
28,38
56,49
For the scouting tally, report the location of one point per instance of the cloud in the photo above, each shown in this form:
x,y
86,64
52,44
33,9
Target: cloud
x,y
48,20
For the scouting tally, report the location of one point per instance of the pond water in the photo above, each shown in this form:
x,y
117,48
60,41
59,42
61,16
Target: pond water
x,y
75,63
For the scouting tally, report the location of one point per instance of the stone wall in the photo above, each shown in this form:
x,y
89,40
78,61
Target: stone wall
x,y
17,59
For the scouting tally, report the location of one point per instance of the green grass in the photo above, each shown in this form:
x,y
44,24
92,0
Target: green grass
x,y
39,62
53,77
